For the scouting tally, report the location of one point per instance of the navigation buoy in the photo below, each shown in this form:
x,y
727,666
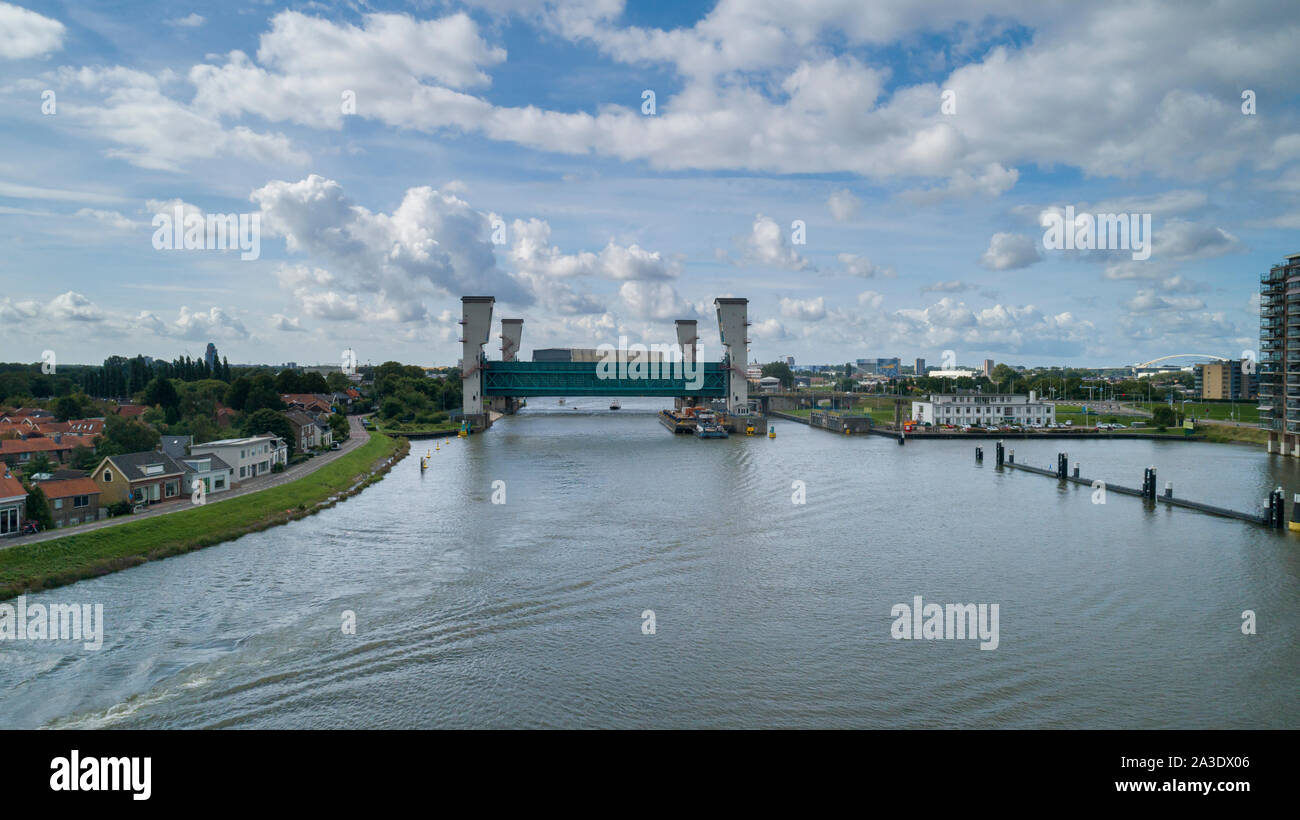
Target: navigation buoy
x,y
771,431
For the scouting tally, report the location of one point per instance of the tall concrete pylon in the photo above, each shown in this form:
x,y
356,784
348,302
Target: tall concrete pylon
x,y
476,325
512,332
733,326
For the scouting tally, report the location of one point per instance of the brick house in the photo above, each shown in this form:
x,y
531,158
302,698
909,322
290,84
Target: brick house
x,y
306,433
140,478
72,501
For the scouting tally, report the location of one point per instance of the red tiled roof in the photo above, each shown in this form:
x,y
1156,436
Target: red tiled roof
x,y
33,445
9,485
68,487
130,410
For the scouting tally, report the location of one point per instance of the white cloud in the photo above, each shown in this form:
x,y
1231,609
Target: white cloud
x,y
1008,251
864,268
191,20
25,34
432,243
843,205
654,300
766,245
804,310
288,324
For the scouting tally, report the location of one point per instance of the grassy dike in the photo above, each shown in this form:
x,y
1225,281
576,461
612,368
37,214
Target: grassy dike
x,y
60,561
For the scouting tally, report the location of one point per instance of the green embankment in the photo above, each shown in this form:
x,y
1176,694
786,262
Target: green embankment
x,y
47,564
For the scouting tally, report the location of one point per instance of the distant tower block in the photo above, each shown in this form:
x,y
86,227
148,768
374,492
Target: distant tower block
x,y
733,325
476,325
512,331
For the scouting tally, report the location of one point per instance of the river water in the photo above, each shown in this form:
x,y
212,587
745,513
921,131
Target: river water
x,y
767,613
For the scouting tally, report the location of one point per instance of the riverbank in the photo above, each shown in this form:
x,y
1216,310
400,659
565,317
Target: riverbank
x,y
61,561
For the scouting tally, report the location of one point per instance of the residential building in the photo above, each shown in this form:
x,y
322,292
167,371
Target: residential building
x,y
323,432
210,355
21,451
150,477
178,447
217,476
248,457
1279,356
72,501
988,368
984,409
919,367
311,402
1231,380
13,503
306,433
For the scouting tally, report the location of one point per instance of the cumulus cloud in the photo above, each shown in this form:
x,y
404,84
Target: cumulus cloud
x,y
654,300
805,310
864,268
766,245
843,205
432,242
1008,251
287,324
25,34
531,252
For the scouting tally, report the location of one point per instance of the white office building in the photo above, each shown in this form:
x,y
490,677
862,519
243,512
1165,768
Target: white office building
x,y
984,410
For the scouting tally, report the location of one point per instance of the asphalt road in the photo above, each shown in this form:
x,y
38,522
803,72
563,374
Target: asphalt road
x,y
357,437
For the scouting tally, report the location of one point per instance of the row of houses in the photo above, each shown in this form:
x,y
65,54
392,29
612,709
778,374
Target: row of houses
x,y
143,479
168,474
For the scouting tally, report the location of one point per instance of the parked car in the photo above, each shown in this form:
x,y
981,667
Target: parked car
x,y
334,445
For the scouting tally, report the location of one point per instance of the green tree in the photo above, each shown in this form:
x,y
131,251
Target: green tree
x,y
339,427
1164,417
83,458
779,370
269,421
68,407
40,463
336,382
38,508
127,436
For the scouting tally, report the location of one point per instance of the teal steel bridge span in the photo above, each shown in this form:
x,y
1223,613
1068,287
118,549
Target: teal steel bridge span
x,y
522,379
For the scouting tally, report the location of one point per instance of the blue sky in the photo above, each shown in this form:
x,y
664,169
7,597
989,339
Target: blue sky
x,y
923,227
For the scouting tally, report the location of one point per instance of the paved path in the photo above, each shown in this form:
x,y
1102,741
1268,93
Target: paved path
x,y
356,438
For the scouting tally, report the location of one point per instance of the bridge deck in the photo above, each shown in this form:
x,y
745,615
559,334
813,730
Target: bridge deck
x,y
583,379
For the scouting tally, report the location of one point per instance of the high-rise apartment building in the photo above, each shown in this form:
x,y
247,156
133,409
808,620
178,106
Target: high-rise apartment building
x,y
1232,380
1279,356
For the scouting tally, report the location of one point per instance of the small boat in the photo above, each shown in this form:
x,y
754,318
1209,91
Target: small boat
x,y
707,426
710,430
614,405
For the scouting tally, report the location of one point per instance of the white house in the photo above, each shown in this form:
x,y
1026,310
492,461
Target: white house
x,y
247,457
217,476
984,409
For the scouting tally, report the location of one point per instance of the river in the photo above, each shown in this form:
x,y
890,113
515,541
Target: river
x,y
767,613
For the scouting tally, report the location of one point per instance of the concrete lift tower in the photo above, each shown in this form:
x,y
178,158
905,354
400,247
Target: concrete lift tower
x,y
733,325
476,325
512,333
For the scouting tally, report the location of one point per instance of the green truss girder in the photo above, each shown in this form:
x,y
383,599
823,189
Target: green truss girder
x,y
581,379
